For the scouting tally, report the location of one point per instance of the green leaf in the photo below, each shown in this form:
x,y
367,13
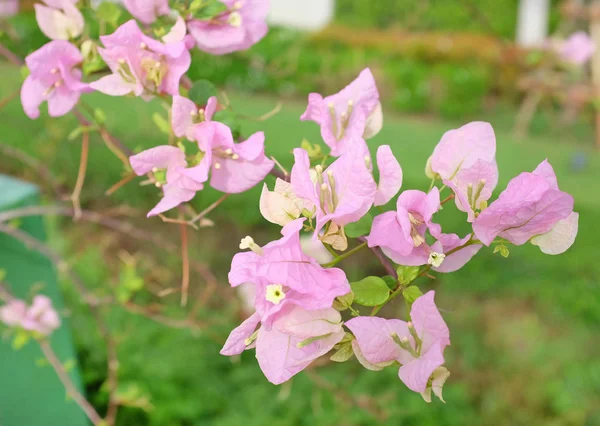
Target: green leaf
x,y
390,281
314,150
370,291
162,123
208,9
360,228
504,251
341,303
99,116
407,274
343,352
75,133
411,294
2,274
109,12
201,90
21,338
93,65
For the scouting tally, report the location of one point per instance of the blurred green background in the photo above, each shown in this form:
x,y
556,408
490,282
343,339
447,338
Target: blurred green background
x,y
524,329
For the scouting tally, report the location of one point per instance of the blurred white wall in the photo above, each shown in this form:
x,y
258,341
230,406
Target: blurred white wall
x,y
532,23
309,15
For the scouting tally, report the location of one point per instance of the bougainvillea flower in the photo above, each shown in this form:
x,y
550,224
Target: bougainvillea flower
x,y
284,275
577,49
168,164
59,19
141,65
147,11
349,115
39,317
531,205
234,167
341,194
465,160
280,350
238,28
281,206
53,78
402,234
185,114
418,345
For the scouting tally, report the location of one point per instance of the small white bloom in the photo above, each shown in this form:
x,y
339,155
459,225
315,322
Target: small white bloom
x,y
436,259
275,293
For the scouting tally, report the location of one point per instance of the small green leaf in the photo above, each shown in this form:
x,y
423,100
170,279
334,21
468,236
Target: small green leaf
x,y
360,228
99,116
96,63
370,291
21,338
314,150
201,90
390,281
341,303
411,294
109,12
343,352
2,274
75,133
207,10
407,274
162,123
502,249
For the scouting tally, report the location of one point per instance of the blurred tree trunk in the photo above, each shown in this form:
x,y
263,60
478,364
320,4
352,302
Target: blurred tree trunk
x,y
532,24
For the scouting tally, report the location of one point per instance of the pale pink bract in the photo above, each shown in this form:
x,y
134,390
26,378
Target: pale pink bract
x,y
53,77
348,116
39,317
147,11
577,49
240,27
59,19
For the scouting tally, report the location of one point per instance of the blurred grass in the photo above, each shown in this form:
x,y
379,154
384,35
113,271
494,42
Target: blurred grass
x,y
524,329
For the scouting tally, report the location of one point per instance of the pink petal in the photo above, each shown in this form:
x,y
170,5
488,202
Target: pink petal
x,y
236,342
303,324
243,268
416,373
181,115
173,196
61,101
374,336
428,322
147,11
113,85
160,157
545,170
235,176
461,148
300,177
561,236
32,96
177,32
13,313
387,233
211,108
390,176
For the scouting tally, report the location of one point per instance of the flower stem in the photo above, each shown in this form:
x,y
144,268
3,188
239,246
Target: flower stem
x,y
345,255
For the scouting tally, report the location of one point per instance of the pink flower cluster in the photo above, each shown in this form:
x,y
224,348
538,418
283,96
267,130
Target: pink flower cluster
x,y
40,317
295,321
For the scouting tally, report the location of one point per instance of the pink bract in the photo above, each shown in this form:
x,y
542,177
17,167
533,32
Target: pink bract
x,y
147,11
53,78
345,116
240,27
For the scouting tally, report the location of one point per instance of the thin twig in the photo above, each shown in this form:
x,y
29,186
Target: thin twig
x,y
266,115
72,391
126,179
85,146
5,101
208,209
10,56
389,268
185,265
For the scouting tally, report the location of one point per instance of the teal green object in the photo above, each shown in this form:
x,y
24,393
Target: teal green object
x,y
30,394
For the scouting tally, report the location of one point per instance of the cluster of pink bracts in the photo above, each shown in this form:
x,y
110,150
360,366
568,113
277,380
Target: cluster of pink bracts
x,y
295,321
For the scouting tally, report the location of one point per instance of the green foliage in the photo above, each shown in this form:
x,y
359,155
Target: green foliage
x,y
370,291
502,249
360,228
109,12
201,90
161,122
341,303
390,281
407,274
411,294
207,9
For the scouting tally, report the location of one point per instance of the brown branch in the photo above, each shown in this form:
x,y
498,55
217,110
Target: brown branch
x,y
185,265
208,209
71,389
385,262
10,56
83,162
